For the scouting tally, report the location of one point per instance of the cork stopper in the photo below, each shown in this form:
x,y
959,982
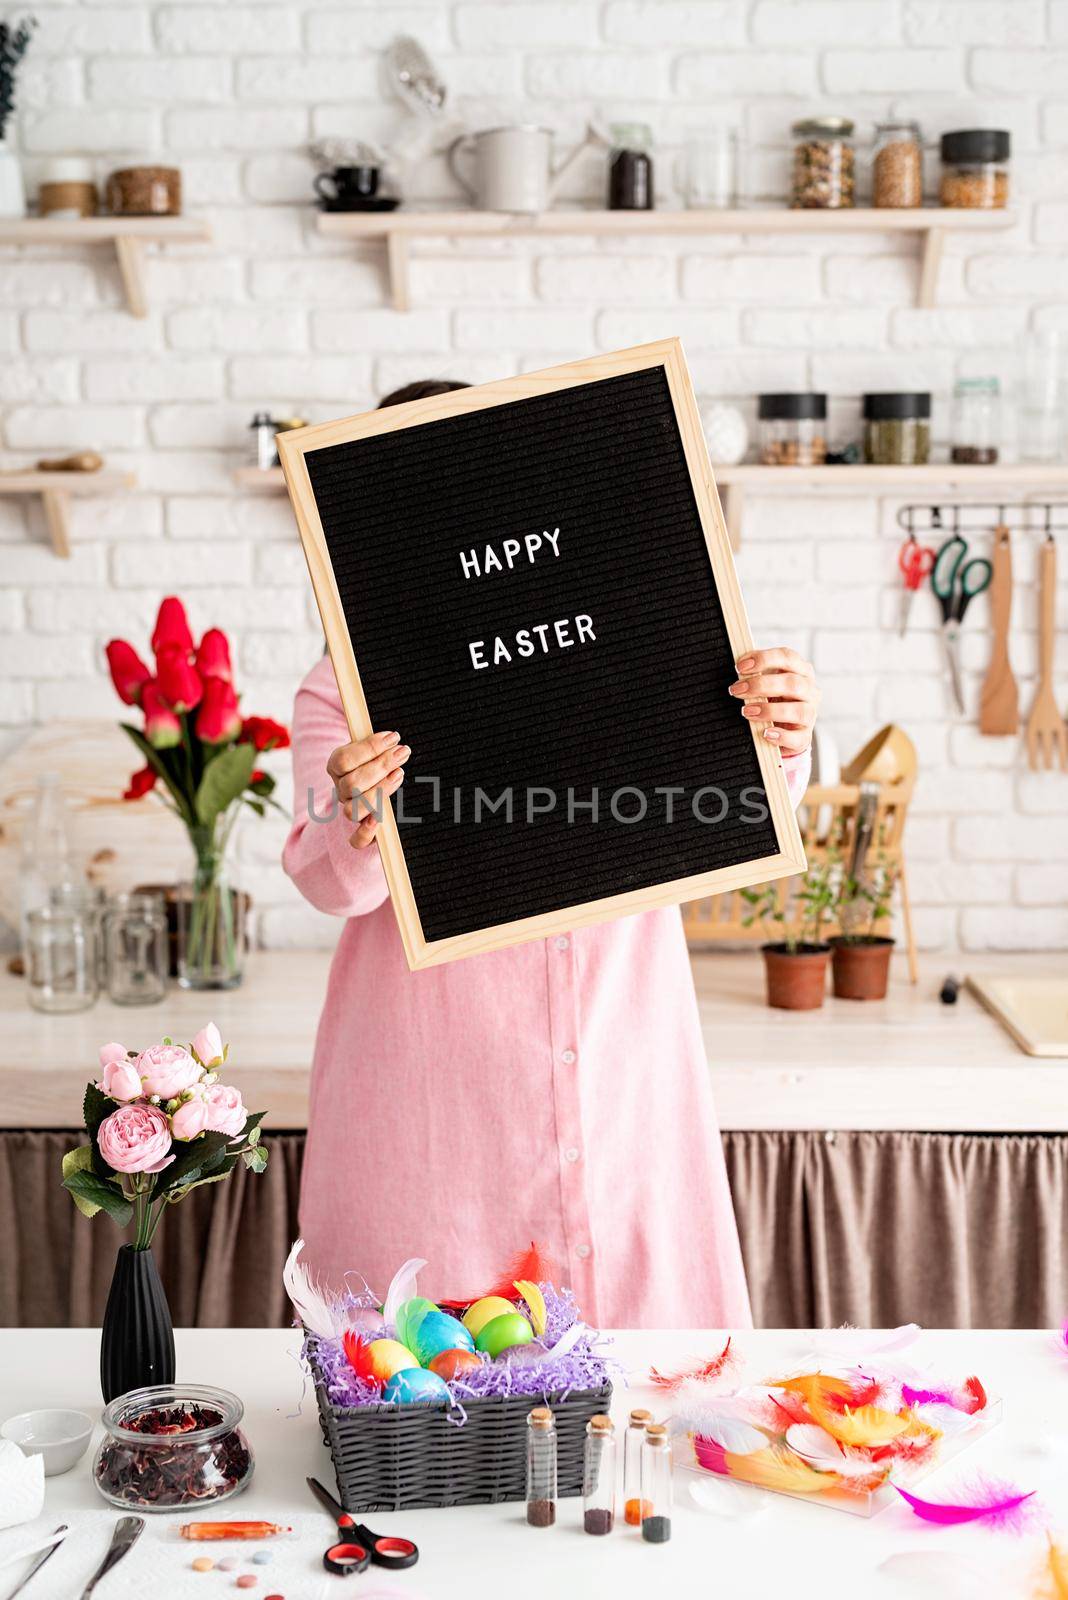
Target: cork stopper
x,y
540,1417
656,1433
600,1424
639,1417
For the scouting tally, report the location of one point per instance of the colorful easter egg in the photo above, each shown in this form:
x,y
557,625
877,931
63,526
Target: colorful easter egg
x,y
386,1357
409,1315
416,1387
437,1331
502,1332
483,1311
449,1364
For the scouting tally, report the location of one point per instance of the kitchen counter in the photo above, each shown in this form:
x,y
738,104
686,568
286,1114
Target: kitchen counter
x,y
906,1063
778,1546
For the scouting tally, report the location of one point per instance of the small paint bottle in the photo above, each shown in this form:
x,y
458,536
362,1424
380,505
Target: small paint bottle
x,y
541,1468
633,1440
656,1485
599,1476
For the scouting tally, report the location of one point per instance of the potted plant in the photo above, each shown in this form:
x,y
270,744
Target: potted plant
x,y
202,751
14,42
795,966
160,1124
860,961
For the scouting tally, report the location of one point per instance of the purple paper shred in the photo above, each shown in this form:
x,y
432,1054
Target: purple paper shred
x,y
584,1366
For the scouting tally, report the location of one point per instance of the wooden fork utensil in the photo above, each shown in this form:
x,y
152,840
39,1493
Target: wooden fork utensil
x,y
1047,734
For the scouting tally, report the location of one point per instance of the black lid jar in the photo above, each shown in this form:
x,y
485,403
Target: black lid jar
x,y
975,168
793,430
897,428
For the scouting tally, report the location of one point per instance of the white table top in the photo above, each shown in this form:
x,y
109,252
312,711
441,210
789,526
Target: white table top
x,y
786,1549
906,1062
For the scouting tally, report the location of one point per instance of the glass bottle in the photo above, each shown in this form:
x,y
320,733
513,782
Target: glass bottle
x,y
541,1468
135,940
599,1476
45,865
633,1440
976,427
630,167
897,167
823,165
656,1484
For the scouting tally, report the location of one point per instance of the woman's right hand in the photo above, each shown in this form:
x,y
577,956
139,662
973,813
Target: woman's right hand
x,y
364,774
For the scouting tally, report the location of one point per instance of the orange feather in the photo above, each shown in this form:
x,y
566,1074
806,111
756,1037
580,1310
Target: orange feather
x,y
775,1468
1057,1562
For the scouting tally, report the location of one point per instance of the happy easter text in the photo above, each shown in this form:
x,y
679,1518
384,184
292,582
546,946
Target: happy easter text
x,y
538,637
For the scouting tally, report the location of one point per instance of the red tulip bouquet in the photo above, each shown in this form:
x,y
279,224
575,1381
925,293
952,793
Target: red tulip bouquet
x,y
200,755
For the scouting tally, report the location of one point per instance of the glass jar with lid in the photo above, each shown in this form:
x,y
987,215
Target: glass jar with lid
x,y
823,164
793,429
976,426
897,166
975,168
630,167
897,429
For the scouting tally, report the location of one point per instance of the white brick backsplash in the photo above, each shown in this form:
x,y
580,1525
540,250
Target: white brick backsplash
x,y
281,566
802,329
1014,928
738,73
751,277
53,427
224,329
94,130
493,330
75,31
570,75
111,615
1041,794
959,22
1001,276
338,30
30,655
114,517
867,22
16,703
655,23
226,29
1020,71
96,698
1042,886
393,372
64,283
337,283
698,330
359,331
279,652
307,78
575,280
165,566
54,332
137,82
880,71
192,281
221,427
259,516
960,326
236,129
342,379
949,883
26,383
445,282
171,378
546,25
983,839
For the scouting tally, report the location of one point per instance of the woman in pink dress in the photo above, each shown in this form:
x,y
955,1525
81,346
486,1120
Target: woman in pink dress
x,y
557,1091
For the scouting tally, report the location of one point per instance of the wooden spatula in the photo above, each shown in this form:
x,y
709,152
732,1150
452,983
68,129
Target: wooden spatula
x,y
998,704
1047,735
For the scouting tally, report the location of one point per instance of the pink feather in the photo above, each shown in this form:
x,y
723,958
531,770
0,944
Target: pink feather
x,y
702,1371
997,1504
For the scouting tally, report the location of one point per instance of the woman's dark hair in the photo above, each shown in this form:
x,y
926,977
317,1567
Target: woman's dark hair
x,y
421,390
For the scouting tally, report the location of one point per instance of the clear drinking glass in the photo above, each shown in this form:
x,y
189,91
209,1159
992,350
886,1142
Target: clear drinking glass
x,y
135,942
710,181
89,900
61,959
1043,420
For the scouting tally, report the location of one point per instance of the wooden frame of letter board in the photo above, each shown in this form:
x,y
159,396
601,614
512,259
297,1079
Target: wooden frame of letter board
x,y
292,449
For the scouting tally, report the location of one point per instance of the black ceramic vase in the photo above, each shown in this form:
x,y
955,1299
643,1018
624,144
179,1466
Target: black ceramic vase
x,y
137,1340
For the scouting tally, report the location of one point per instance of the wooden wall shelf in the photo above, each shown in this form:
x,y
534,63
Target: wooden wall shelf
x,y
128,235
399,228
56,489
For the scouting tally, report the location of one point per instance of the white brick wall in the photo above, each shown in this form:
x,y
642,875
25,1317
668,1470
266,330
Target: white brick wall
x,y
270,314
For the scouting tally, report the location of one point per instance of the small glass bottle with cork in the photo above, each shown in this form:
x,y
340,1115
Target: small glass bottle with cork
x,y
541,1468
599,1477
656,1484
633,1440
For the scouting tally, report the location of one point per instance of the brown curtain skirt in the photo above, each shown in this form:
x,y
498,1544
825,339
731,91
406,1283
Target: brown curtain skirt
x,y
948,1230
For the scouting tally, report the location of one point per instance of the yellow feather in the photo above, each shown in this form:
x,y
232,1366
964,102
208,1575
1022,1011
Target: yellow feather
x,y
780,1469
1058,1569
535,1302
868,1426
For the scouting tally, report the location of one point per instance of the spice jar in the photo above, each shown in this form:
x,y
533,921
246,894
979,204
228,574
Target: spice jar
x,y
148,191
897,429
975,168
541,1468
897,167
656,1484
976,426
599,1477
630,167
172,1445
823,165
793,429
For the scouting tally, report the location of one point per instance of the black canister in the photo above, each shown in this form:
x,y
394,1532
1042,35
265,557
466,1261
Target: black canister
x,y
630,167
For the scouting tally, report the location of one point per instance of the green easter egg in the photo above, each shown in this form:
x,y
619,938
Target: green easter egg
x,y
503,1332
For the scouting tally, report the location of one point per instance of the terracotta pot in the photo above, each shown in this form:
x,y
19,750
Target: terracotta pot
x,y
860,968
796,979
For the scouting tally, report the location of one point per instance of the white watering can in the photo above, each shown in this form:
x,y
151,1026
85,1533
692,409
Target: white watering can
x,y
512,167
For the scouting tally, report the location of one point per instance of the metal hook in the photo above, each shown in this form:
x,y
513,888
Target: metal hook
x,y
1049,521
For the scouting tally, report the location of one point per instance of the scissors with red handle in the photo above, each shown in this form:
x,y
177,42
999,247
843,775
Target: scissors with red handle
x,y
916,563
356,1547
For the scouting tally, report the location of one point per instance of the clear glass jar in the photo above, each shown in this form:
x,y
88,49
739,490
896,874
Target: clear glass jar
x,y
976,426
824,164
630,167
656,1485
975,169
897,166
61,960
1044,422
541,1468
792,429
89,900
202,1459
710,181
633,1440
135,945
599,1477
897,429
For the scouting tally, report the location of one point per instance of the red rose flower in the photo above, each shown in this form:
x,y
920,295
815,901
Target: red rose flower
x,y
162,728
213,656
128,671
264,733
218,718
258,776
172,628
141,782
177,678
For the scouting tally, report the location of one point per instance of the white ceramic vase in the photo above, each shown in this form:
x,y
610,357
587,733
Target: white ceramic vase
x,y
12,191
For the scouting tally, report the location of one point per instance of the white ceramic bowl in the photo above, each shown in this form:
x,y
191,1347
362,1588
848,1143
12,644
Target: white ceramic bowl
x,y
61,1437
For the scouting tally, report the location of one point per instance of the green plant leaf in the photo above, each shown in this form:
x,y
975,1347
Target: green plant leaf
x,y
102,1196
224,778
256,1158
80,1160
225,1167
96,1105
157,760
191,1159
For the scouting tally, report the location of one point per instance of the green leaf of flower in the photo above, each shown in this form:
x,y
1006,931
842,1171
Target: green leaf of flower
x,y
80,1160
225,776
102,1196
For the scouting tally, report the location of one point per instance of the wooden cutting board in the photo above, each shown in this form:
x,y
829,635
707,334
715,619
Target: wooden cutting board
x,y
120,843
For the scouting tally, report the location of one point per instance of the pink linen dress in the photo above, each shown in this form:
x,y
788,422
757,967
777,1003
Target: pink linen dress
x,y
557,1091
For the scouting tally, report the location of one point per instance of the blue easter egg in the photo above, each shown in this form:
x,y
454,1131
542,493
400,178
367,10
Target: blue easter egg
x,y
415,1386
437,1332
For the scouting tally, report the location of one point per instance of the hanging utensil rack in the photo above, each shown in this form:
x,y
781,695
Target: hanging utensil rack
x,y
1044,517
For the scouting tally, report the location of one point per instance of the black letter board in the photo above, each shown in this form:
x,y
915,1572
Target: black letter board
x,y
531,581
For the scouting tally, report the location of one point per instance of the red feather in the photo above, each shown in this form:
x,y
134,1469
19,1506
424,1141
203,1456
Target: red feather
x,y
356,1350
974,1388
704,1372
531,1264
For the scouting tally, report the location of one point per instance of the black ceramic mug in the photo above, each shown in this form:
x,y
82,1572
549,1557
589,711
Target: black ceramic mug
x,y
347,183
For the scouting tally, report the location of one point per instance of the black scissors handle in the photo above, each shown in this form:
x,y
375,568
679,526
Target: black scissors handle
x,y
955,581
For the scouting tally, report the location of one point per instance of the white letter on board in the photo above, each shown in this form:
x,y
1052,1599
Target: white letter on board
x,y
563,638
590,805
533,544
475,648
511,549
500,651
553,538
549,805
523,644
469,563
541,629
584,624
493,562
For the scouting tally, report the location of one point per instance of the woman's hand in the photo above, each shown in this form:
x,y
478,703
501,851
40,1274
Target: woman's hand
x,y
781,697
364,774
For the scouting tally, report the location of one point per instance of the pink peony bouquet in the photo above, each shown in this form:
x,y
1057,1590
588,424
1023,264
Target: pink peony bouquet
x,y
160,1123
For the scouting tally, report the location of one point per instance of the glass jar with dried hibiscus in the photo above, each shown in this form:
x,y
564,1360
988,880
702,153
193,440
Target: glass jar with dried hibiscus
x,y
172,1446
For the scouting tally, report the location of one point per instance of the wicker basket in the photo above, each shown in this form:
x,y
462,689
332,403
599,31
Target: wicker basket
x,y
399,1458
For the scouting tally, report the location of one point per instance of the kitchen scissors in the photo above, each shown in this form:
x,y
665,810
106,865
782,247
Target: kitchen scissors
x,y
956,582
356,1547
915,562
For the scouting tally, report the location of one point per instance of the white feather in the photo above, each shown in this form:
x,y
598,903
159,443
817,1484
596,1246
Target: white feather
x,y
309,1302
728,1499
570,1337
814,1445
725,1423
402,1288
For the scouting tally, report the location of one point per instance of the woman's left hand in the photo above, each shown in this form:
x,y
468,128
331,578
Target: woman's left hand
x,y
781,697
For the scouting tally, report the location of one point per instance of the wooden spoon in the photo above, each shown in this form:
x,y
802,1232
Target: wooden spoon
x,y
998,705
1047,735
